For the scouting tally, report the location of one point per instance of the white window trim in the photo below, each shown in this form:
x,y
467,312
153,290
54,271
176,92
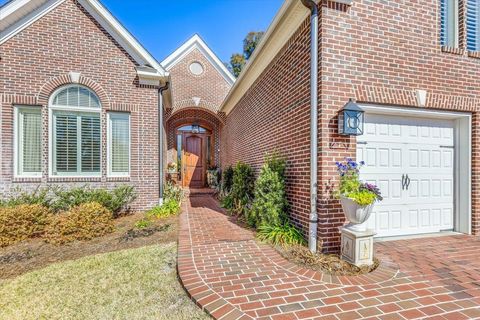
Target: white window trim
x,y
16,140
111,174
51,109
456,26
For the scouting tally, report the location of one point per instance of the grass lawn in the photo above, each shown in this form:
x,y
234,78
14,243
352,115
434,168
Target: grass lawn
x,y
136,283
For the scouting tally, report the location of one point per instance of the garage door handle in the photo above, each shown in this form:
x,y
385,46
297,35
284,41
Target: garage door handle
x,y
407,181
403,182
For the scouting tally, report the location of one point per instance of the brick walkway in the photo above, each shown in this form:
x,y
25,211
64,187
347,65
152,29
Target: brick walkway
x,y
232,276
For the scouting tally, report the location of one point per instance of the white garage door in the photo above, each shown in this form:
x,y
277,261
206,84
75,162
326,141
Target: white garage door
x,y
412,161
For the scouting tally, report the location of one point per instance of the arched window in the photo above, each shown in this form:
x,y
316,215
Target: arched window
x,y
75,132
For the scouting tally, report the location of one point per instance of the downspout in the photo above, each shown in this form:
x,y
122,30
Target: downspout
x,y
160,142
313,221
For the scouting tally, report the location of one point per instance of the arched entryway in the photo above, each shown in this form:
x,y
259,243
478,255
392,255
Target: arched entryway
x,y
193,146
194,154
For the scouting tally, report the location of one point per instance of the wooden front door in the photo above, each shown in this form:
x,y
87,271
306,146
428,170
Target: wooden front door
x,y
194,166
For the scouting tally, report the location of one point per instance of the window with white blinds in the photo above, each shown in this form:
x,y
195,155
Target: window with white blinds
x,y
76,133
28,137
449,23
473,25
118,144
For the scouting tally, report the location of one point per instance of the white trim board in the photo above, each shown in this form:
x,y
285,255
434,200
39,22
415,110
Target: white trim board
x,y
463,155
196,42
23,13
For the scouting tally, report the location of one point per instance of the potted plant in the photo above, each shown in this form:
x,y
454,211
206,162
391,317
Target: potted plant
x,y
357,198
212,176
172,167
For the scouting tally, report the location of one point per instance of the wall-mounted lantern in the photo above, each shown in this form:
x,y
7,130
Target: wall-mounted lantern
x,y
351,119
195,128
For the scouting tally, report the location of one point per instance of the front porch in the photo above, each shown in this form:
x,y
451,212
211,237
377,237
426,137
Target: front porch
x,y
232,276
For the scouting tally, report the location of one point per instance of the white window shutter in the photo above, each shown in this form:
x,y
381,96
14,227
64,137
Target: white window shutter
x,y
119,144
65,143
91,143
443,22
77,133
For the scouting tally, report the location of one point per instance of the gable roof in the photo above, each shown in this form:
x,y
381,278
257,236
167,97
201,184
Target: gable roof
x,y
17,15
196,42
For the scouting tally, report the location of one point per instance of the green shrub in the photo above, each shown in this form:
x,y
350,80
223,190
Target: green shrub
x,y
83,222
270,203
173,192
283,235
117,200
40,196
22,222
227,179
241,195
276,163
227,202
143,223
168,208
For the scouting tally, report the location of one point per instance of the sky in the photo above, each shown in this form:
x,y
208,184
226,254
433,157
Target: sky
x,y
164,25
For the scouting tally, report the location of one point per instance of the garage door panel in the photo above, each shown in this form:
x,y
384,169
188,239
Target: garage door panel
x,y
390,186
380,158
393,147
429,189
407,129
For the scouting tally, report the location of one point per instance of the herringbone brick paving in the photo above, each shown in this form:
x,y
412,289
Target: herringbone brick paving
x,y
232,276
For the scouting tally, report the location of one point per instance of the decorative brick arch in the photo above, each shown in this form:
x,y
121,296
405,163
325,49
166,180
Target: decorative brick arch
x,y
178,113
54,83
203,117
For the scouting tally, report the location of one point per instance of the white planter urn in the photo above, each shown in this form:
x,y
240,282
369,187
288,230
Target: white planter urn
x,y
356,214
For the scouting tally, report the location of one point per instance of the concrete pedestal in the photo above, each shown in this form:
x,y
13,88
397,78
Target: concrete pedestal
x,y
357,246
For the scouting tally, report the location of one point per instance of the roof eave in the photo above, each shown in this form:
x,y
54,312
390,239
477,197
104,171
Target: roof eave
x,y
287,20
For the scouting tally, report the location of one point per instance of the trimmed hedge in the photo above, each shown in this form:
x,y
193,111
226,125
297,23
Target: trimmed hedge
x,y
116,200
22,222
58,199
83,222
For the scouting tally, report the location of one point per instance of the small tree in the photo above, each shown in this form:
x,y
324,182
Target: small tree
x,y
242,191
270,200
237,62
227,179
250,42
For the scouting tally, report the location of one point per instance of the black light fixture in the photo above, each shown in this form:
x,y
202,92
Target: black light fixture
x,y
195,128
351,119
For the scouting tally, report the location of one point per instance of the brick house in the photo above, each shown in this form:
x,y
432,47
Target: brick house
x,y
415,71
81,103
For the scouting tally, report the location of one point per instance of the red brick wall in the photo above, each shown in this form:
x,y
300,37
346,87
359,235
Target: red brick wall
x,y
274,115
210,86
376,52
381,52
38,60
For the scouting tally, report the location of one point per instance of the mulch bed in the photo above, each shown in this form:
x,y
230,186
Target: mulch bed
x,y
35,253
326,263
